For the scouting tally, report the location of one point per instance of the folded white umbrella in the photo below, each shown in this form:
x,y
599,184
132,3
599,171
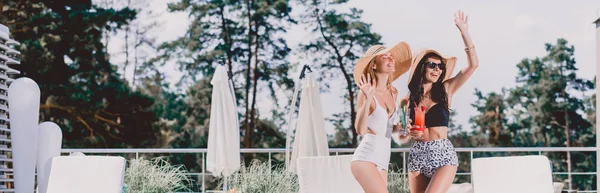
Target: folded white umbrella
x,y
310,139
223,156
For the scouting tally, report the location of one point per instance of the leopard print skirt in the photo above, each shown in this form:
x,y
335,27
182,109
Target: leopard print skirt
x,y
426,157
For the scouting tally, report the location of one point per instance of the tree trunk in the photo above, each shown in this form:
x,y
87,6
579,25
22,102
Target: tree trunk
x,y
135,57
352,116
568,144
255,77
248,129
127,30
226,36
542,129
567,134
349,88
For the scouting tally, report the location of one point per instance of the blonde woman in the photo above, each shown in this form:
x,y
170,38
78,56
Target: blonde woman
x,y
375,118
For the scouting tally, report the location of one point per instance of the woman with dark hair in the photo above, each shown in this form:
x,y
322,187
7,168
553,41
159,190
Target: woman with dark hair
x,y
432,161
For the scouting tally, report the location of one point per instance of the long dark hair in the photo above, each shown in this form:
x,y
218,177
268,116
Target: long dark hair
x,y
415,86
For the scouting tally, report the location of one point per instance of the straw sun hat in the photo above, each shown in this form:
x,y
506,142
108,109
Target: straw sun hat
x,y
401,54
450,62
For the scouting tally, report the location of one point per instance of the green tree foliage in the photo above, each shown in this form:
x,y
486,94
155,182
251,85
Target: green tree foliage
x,y
492,120
62,51
340,38
545,109
246,36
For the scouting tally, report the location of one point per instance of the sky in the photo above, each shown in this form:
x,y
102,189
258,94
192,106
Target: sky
x,y
504,32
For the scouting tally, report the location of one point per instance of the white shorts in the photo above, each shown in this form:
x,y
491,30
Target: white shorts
x,y
375,149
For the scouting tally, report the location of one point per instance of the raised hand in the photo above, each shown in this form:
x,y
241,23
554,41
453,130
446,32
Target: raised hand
x,y
367,85
461,20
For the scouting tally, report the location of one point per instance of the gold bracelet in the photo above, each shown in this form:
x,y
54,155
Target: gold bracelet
x,y
469,48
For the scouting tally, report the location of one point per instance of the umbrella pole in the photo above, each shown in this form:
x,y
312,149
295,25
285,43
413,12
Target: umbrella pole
x,y
289,130
292,110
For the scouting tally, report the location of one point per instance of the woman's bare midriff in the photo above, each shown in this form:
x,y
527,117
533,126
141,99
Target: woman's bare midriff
x,y
434,133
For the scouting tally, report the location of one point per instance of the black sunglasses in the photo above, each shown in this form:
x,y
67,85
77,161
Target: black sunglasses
x,y
432,65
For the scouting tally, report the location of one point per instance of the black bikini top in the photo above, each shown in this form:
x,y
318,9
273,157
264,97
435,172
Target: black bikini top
x,y
436,116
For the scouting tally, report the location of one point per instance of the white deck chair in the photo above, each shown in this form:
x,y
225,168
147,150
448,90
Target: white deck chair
x,y
326,174
90,174
515,174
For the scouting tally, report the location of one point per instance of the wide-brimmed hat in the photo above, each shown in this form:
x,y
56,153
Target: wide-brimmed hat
x,y
400,52
450,62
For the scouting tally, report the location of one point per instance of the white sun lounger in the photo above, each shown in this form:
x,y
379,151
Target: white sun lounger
x,y
515,174
326,174
90,174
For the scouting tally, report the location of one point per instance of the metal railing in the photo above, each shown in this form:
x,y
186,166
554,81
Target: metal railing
x,y
338,151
